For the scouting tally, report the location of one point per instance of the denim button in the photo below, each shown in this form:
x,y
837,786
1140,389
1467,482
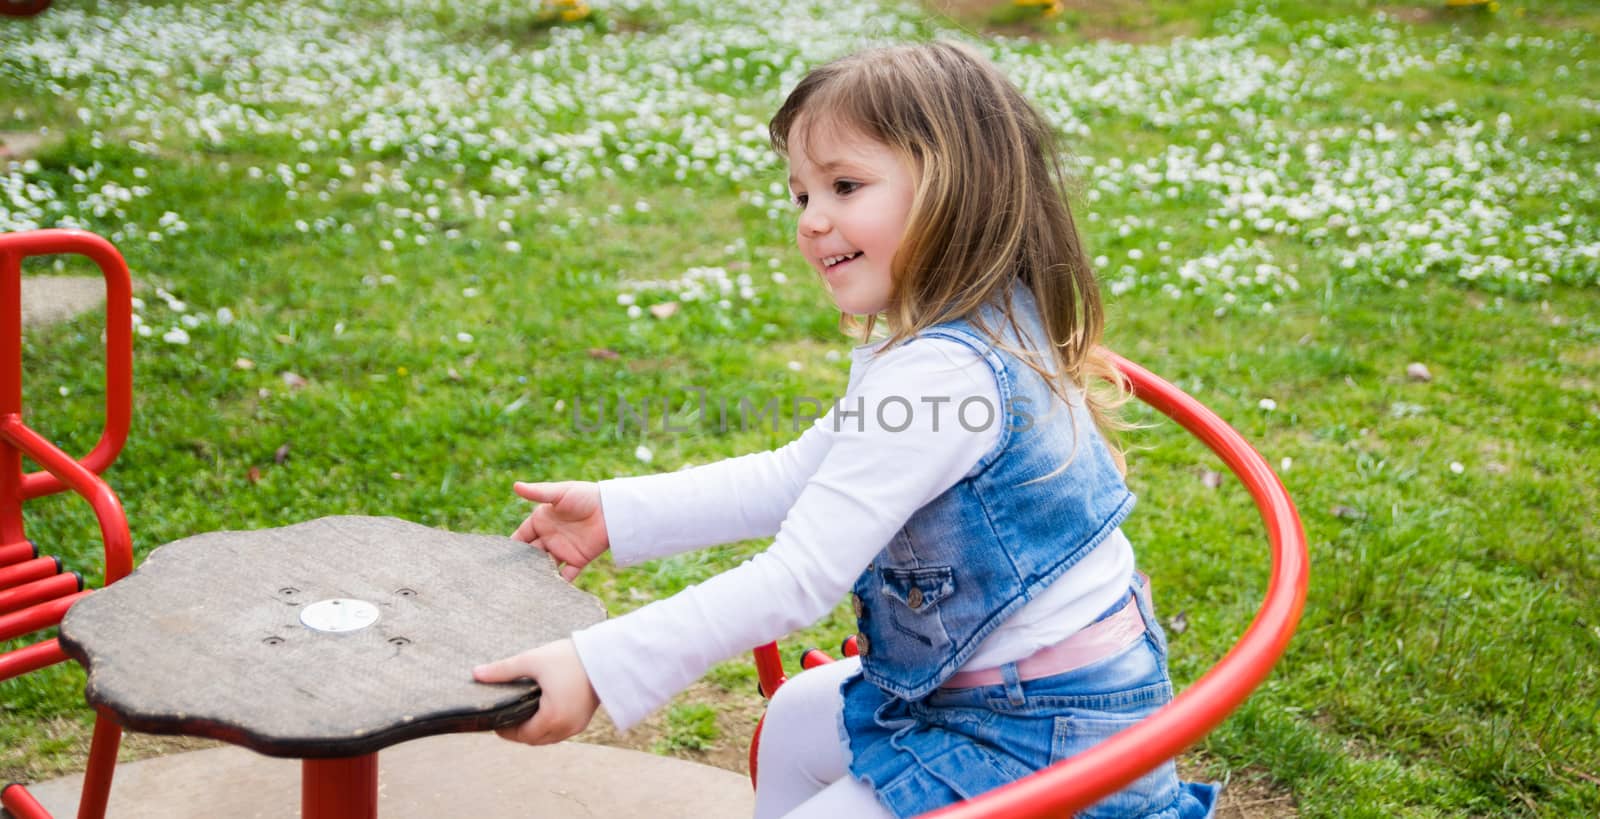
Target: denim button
x,y
855,603
861,644
914,598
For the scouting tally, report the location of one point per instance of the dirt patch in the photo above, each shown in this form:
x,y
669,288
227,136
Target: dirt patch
x,y
49,299
1250,794
20,144
68,741
737,716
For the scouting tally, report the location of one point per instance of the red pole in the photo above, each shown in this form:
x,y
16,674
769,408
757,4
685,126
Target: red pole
x,y
11,533
102,764
769,668
342,788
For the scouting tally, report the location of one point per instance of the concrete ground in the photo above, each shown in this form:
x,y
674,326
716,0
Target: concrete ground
x,y
47,299
477,775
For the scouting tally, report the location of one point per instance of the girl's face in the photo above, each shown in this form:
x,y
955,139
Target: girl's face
x,y
854,196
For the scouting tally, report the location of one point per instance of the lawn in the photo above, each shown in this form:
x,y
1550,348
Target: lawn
x,y
393,255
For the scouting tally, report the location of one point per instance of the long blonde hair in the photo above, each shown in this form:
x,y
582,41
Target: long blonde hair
x,y
989,209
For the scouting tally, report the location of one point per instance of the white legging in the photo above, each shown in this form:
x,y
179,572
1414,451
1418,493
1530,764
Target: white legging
x,y
800,766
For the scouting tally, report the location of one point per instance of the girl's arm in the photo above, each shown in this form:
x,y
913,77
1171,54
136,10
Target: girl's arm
x,y
868,483
739,498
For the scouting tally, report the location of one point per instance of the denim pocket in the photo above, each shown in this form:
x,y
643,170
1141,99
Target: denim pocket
x,y
915,595
1153,792
961,770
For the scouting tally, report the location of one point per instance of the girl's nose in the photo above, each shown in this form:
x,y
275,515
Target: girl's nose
x,y
813,223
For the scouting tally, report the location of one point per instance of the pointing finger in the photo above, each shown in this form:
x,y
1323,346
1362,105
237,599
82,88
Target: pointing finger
x,y
510,668
540,492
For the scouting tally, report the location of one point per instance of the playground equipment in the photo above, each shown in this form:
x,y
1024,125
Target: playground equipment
x,y
34,591
1076,783
23,8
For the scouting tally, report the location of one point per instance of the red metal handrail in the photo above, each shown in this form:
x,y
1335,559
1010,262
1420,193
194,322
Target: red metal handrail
x,y
30,602
1078,782
14,247
107,508
16,439
1082,780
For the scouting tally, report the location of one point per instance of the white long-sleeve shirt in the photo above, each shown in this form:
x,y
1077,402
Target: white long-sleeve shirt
x,y
832,499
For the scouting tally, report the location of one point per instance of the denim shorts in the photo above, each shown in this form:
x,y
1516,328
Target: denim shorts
x,y
957,743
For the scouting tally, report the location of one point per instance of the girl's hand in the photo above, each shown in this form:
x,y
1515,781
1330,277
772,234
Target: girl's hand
x,y
568,523
567,700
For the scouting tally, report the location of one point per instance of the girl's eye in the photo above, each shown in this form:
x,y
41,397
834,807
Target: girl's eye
x,y
800,200
844,187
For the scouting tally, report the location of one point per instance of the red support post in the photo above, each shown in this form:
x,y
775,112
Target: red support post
x,y
769,668
12,538
102,764
343,788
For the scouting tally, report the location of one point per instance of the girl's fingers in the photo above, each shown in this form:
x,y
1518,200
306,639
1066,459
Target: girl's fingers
x,y
519,733
510,668
540,492
525,532
527,732
570,572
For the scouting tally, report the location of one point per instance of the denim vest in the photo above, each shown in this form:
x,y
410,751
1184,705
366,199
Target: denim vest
x,y
977,553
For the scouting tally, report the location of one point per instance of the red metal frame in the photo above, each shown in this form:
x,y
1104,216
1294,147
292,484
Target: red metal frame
x,y
340,788
23,8
1079,782
28,571
35,594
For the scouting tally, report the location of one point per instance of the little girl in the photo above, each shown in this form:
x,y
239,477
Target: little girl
x,y
961,491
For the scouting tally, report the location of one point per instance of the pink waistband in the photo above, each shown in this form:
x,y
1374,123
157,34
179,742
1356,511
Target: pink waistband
x,y
1095,642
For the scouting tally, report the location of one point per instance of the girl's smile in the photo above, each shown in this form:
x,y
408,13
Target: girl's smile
x,y
854,196
833,266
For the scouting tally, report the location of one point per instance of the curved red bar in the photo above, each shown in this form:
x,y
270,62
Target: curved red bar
x,y
107,507
1081,781
14,247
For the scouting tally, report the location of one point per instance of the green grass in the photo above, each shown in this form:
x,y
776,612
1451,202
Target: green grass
x,y
1448,661
690,727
